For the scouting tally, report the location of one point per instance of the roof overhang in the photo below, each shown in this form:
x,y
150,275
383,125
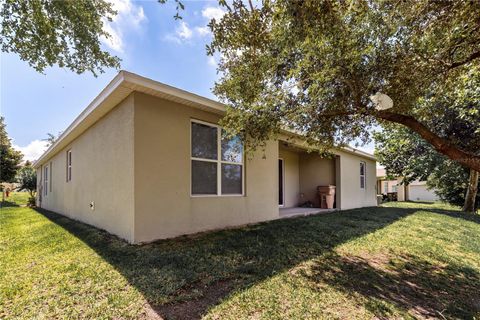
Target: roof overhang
x,y
116,91
120,88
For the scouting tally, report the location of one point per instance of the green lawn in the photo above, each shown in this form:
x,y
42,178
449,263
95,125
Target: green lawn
x,y
396,261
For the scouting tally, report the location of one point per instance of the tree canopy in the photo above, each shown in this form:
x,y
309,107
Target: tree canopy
x,y
9,157
311,66
27,178
64,33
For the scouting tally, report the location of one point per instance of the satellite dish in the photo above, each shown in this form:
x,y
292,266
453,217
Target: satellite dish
x,y
381,101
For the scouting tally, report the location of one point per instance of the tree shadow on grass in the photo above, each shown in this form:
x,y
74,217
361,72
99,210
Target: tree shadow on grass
x,y
4,204
473,217
183,278
408,282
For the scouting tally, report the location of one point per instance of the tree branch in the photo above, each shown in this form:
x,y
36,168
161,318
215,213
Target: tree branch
x,y
443,146
471,57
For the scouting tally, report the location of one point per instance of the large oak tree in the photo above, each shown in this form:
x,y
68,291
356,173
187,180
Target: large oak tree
x,y
312,65
307,65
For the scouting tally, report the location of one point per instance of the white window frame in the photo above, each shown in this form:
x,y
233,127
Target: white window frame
x,y
45,180
364,176
218,161
385,189
69,165
50,177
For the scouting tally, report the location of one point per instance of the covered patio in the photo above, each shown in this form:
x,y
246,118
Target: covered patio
x,y
300,173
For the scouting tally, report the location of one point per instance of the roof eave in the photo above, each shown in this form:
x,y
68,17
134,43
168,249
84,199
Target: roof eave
x,y
121,86
67,136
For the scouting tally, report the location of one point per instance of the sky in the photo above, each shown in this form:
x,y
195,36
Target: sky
x,y
147,39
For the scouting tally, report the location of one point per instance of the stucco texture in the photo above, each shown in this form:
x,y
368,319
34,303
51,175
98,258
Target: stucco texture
x,y
163,205
350,193
102,172
134,163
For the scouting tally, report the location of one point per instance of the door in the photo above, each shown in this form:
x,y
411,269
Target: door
x,y
281,182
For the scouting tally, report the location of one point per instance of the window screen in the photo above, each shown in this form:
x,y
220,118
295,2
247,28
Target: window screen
x,y
216,161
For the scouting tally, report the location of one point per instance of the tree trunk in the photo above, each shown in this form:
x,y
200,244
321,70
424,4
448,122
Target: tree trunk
x,y
471,196
443,146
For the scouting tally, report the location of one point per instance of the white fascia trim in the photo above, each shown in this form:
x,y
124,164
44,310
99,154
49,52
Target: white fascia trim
x,y
350,150
146,83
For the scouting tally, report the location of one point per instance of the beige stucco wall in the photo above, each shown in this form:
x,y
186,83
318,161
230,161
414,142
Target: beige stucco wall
x,y
163,205
315,171
292,176
134,164
350,193
102,172
402,192
390,184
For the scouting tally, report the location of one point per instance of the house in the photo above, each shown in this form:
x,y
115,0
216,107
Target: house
x,y
147,161
415,191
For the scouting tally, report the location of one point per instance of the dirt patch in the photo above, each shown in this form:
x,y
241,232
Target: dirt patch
x,y
211,295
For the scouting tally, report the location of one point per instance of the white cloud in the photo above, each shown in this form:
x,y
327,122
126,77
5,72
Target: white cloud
x,y
213,13
115,41
183,31
33,150
202,31
211,61
129,17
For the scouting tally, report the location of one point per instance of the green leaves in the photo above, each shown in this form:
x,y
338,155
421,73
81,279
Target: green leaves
x,y
311,65
63,33
9,157
27,178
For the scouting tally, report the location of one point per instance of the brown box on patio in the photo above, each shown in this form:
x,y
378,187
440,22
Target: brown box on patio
x,y
326,189
327,196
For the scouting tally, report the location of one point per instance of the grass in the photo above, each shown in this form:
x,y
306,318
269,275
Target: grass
x,y
402,260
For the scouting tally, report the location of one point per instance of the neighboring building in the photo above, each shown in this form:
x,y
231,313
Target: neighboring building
x,y
146,161
415,191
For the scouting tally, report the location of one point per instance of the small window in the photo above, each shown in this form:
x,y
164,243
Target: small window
x,y
69,165
385,184
216,162
45,180
50,178
394,188
362,174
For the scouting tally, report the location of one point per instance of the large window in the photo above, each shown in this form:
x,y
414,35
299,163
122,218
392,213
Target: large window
x,y
45,180
362,174
217,162
69,165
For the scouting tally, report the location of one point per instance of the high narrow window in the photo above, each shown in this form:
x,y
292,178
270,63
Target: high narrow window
x,y
216,162
362,174
69,165
50,178
45,180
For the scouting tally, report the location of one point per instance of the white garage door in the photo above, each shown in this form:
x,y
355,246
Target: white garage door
x,y
420,193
